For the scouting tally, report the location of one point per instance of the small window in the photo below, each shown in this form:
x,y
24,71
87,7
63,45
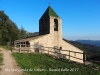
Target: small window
x,y
22,42
55,25
27,44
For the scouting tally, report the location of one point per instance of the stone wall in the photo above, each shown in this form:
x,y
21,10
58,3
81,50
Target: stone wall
x,y
46,41
66,46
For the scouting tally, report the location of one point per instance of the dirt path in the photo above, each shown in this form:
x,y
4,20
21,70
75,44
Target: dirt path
x,y
10,66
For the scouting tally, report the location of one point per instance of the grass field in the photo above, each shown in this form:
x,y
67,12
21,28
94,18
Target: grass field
x,y
41,64
6,47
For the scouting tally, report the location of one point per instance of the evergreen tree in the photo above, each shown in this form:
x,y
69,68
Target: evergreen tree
x,y
8,29
23,33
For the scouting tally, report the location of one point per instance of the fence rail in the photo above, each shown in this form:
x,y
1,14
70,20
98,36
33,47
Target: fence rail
x,y
68,54
52,51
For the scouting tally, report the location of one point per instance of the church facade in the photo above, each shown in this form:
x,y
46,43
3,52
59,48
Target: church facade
x,y
50,35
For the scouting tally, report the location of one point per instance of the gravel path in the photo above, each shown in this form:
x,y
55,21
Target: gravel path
x,y
9,66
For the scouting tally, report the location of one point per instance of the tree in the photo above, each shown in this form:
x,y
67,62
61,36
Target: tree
x,y
8,29
23,33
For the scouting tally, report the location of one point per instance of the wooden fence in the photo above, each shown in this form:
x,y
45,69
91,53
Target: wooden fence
x,y
52,51
64,55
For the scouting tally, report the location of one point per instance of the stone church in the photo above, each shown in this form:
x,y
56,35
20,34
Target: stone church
x,y
50,35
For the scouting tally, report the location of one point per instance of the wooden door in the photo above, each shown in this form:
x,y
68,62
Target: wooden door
x,y
36,50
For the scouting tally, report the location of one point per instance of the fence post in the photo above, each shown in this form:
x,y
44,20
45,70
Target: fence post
x,y
15,45
20,47
42,48
69,55
48,50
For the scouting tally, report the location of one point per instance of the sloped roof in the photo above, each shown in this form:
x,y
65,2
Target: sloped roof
x,y
49,12
29,39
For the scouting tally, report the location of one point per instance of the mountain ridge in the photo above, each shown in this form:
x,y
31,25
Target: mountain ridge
x,y
91,42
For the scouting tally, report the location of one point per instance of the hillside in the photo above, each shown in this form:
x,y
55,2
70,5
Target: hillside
x,y
8,29
85,47
42,64
91,42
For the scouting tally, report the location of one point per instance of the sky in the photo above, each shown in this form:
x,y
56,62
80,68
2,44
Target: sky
x,y
80,18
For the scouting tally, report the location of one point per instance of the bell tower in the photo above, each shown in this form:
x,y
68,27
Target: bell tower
x,y
51,23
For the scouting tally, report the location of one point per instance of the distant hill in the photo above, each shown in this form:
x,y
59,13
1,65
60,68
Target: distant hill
x,y
85,47
91,42
36,33
29,35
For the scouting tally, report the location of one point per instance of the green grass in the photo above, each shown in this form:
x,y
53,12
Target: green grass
x,y
41,61
6,47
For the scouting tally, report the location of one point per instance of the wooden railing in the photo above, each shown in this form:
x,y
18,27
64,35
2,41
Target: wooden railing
x,y
51,51
69,54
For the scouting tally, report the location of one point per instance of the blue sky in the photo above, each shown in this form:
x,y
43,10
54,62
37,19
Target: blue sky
x,y
80,18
